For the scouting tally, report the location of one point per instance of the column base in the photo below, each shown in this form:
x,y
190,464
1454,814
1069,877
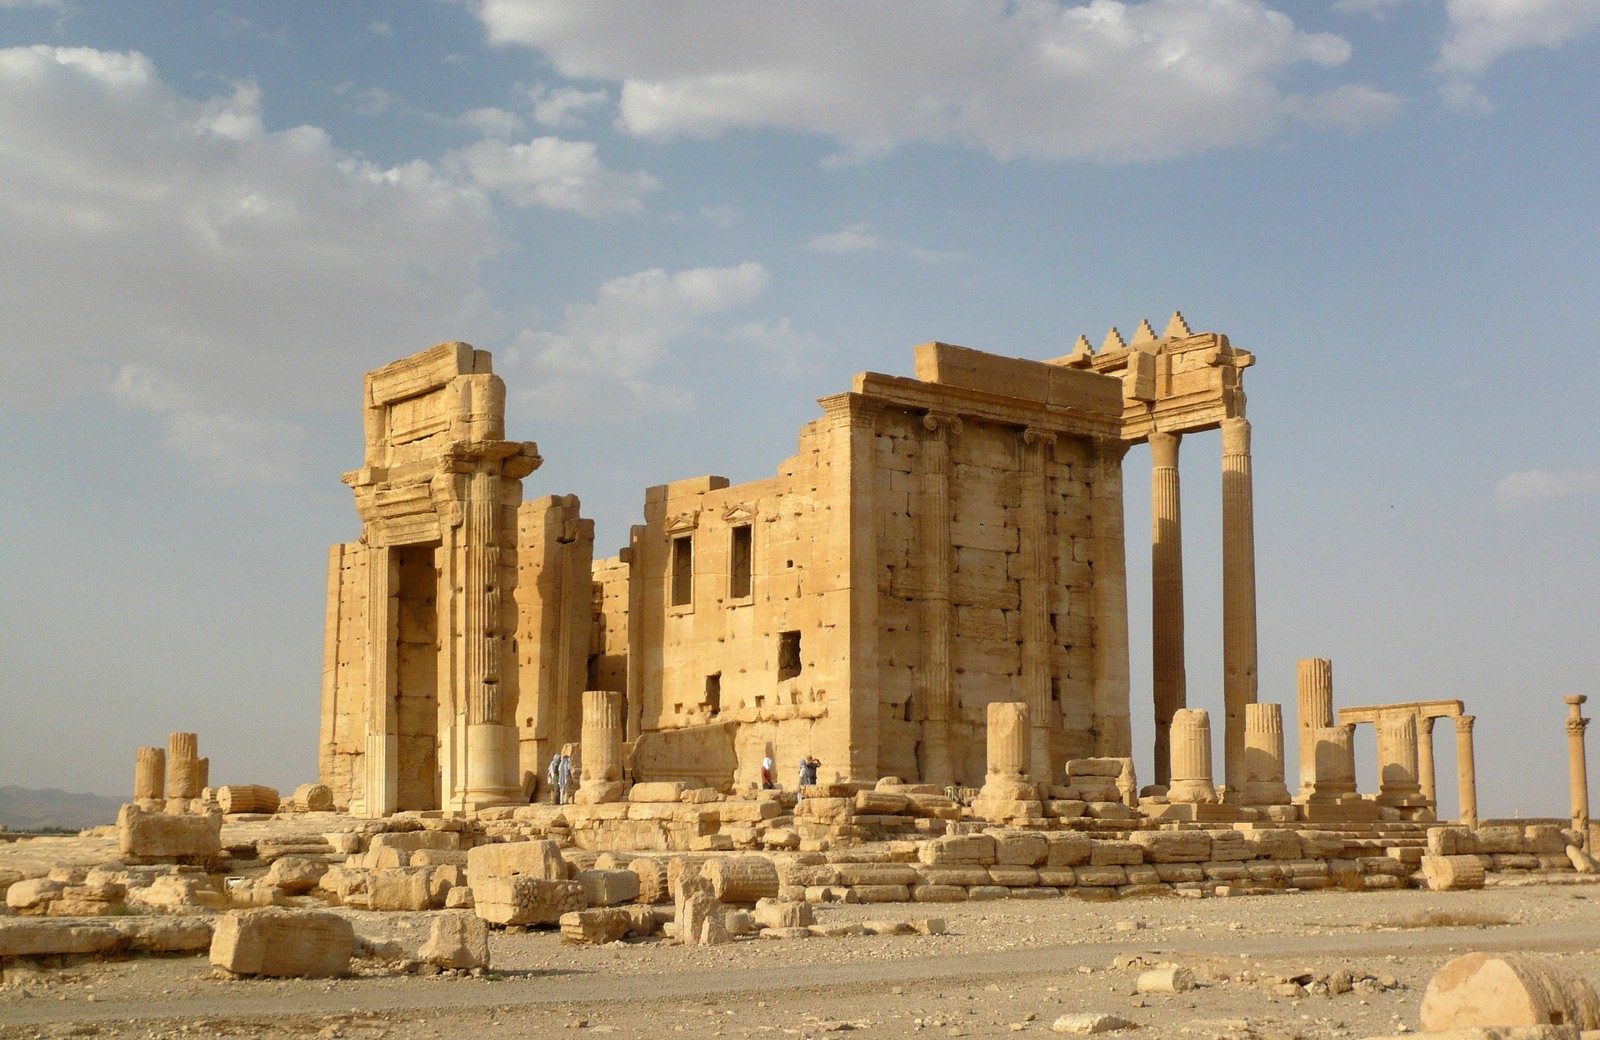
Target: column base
x,y
596,792
1192,792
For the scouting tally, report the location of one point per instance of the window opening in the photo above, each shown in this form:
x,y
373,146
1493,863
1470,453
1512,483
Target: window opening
x,y
789,664
682,570
741,551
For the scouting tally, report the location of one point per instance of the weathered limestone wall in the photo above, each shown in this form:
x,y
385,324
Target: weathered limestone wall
x,y
608,634
344,674
555,606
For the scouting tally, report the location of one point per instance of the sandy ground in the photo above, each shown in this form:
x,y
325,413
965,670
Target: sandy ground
x,y
1006,968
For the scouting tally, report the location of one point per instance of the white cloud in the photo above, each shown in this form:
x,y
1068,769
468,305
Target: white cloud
x,y
600,359
493,122
1351,108
861,238
564,107
1481,32
1102,80
1533,486
555,174
722,216
174,254
780,344
1369,6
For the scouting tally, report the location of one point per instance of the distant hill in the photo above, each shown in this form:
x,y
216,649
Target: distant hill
x,y
27,809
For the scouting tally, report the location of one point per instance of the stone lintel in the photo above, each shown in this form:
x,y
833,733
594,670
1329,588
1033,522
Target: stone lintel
x,y
1423,709
916,395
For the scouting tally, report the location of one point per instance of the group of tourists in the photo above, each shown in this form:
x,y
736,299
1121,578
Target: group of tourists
x,y
808,773
560,776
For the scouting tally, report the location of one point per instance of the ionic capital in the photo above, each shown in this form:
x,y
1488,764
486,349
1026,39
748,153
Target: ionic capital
x,y
1036,437
938,422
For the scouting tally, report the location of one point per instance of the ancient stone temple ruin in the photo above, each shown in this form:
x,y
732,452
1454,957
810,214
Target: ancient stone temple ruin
x,y
938,544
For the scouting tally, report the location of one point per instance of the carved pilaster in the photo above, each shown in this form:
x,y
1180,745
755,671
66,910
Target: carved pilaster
x,y
938,615
1035,597
1466,770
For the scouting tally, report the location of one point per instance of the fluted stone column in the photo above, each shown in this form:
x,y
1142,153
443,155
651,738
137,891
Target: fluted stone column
x,y
1192,781
150,775
1034,584
1238,594
1466,770
487,620
1315,681
1397,759
183,766
1166,594
1425,771
1333,762
1007,791
938,615
1577,767
1263,755
601,754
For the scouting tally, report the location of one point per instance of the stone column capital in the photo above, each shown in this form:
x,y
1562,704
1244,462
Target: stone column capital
x,y
1236,436
1575,727
1164,448
1464,723
1425,724
852,409
1037,437
938,422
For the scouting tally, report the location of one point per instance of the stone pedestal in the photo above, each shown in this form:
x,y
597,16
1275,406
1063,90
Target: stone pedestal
x,y
1263,755
1238,594
150,775
1577,767
183,766
1397,761
1315,682
1191,758
1007,793
1166,594
1466,770
601,755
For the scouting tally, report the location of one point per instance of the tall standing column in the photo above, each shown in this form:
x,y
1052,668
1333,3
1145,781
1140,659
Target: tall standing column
x,y
1263,755
1425,771
491,759
1192,780
1166,595
601,749
150,775
1315,679
1466,770
938,615
1577,767
1034,561
1238,594
1397,759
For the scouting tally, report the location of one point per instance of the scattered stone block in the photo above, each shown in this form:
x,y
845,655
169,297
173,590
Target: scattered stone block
x,y
279,942
535,859
156,837
597,926
525,900
779,913
741,879
1084,1023
609,887
459,940
1452,873
401,888
296,875
797,932
1481,989
1172,978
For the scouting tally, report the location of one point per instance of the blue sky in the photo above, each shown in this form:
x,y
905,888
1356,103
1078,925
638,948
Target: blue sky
x,y
677,225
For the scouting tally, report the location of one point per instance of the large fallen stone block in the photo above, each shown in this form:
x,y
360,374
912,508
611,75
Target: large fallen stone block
x,y
280,942
165,934
741,879
296,875
609,887
783,913
180,893
596,926
525,900
34,895
652,874
1480,989
401,888
156,837
535,859
459,939
1452,873
43,937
